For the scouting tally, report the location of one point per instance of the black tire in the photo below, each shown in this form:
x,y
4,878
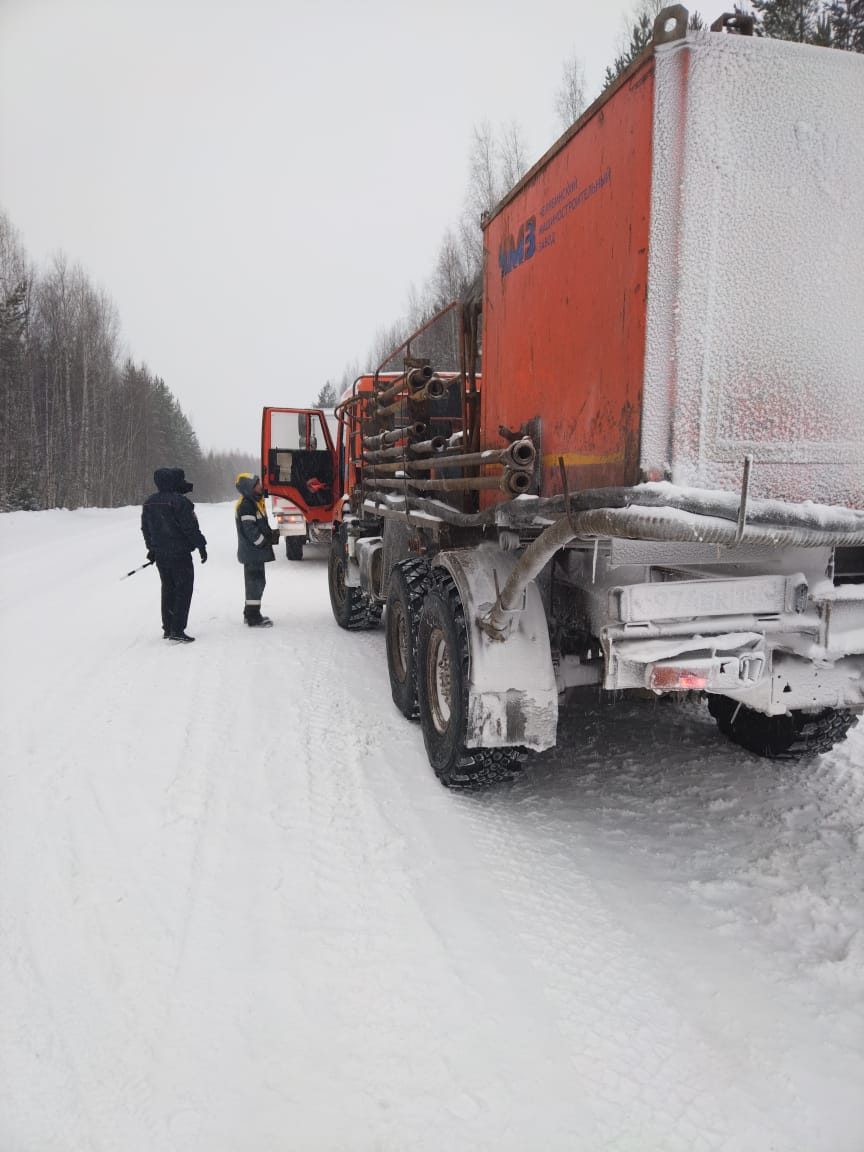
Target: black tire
x,y
406,588
791,737
352,608
442,690
294,547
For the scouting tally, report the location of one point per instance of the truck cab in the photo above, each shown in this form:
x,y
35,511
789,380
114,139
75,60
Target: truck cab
x,y
300,470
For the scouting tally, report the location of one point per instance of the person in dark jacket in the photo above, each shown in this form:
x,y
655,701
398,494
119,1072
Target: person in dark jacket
x,y
171,533
254,545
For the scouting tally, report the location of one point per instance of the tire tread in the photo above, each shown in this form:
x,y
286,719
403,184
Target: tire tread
x,y
415,572
475,768
797,736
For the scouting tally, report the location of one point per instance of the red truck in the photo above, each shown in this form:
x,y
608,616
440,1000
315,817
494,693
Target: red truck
x,y
658,481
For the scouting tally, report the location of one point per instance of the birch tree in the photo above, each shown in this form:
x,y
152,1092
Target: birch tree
x,y
570,99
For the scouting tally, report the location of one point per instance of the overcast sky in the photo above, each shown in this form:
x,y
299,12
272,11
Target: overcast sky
x,y
256,184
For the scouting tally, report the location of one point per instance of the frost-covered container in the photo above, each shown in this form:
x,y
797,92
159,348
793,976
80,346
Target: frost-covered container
x,y
755,340
679,282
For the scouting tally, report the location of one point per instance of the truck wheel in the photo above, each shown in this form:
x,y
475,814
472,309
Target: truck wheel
x,y
404,601
790,737
442,689
294,547
352,608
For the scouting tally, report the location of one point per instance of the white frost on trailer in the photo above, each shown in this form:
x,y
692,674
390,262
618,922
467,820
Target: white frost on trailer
x,y
756,269
647,651
819,515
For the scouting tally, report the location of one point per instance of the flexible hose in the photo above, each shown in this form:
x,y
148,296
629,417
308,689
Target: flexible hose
x,y
633,524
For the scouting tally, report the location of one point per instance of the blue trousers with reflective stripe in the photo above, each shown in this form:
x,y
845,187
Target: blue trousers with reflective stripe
x,y
255,580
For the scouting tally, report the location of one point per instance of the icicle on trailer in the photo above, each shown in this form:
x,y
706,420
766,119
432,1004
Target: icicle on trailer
x,y
657,480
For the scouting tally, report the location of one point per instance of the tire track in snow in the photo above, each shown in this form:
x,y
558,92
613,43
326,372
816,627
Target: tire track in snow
x,y
369,891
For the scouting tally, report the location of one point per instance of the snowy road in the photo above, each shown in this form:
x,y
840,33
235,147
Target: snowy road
x,y
238,912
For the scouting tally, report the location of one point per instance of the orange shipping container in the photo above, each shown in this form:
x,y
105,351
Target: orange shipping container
x,y
564,306
677,283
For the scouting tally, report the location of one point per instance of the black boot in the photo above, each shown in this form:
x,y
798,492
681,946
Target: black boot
x,y
181,638
254,619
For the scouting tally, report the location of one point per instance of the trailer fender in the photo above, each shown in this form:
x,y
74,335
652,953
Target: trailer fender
x,y
346,544
369,551
512,692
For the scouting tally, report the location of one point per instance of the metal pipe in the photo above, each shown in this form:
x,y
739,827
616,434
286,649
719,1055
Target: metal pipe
x,y
419,382
742,503
394,435
518,482
436,444
453,515
403,452
434,389
395,453
492,456
513,482
418,377
387,394
442,511
521,453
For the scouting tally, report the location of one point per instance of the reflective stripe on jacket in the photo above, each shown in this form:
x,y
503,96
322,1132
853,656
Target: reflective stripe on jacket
x,y
253,533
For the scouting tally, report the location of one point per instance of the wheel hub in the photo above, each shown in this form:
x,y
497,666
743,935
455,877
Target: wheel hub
x,y
439,681
400,653
339,581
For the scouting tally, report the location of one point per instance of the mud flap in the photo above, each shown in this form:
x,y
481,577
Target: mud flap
x,y
512,692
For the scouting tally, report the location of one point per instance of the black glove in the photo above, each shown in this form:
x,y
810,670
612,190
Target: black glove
x,y
274,535
202,552
151,556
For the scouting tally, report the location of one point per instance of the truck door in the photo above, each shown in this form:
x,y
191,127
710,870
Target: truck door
x,y
298,460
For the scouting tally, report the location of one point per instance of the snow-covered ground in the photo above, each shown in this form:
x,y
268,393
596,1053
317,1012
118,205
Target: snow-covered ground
x,y
239,914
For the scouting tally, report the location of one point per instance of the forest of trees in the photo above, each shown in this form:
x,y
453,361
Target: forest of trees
x,y
79,424
835,24
82,425
839,24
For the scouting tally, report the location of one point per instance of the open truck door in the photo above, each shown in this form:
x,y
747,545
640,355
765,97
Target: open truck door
x,y
299,460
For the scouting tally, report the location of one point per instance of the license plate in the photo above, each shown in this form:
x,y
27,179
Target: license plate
x,y
684,599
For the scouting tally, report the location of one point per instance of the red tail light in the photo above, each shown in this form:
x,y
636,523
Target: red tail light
x,y
666,679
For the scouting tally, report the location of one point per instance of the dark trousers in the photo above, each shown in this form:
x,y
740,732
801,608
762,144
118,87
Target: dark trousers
x,y
255,580
178,579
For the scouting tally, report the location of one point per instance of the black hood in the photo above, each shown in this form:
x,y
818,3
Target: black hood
x,y
166,479
171,480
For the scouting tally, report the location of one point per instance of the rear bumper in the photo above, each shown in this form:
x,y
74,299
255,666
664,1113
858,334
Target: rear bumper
x,y
790,652
293,529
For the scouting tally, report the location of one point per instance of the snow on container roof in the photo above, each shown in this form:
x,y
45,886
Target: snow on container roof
x,y
755,337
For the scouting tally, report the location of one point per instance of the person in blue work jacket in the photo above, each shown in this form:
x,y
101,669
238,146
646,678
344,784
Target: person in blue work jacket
x,y
254,545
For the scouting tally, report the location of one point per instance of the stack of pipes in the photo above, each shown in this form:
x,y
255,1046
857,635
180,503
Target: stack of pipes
x,y
397,458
